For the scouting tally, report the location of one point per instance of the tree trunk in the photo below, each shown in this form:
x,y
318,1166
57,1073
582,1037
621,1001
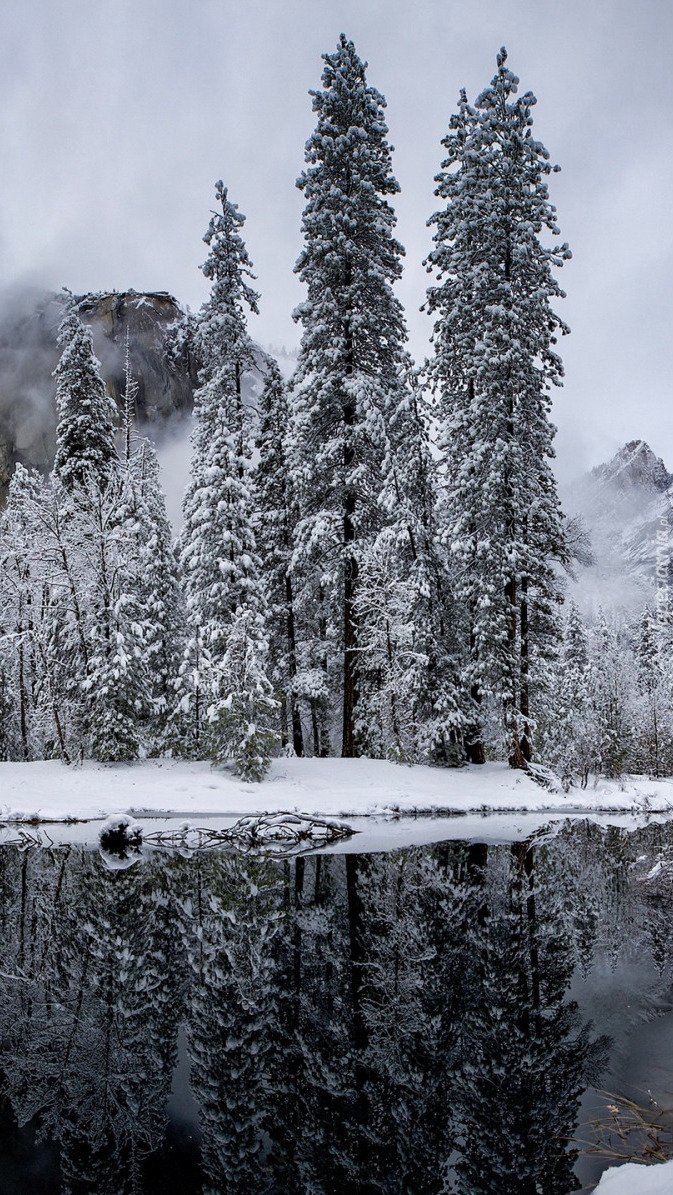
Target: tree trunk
x,y
283,720
23,700
314,727
350,564
516,756
350,650
393,699
474,745
524,695
297,736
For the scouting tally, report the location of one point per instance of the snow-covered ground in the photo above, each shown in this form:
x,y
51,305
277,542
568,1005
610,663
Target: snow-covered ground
x,y
51,791
633,1179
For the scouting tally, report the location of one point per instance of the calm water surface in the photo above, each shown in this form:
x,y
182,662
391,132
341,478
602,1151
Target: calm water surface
x,y
423,1021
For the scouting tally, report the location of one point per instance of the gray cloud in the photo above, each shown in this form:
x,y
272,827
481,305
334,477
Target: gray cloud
x,y
117,117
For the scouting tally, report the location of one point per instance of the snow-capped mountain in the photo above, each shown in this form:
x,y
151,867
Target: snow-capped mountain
x,y
626,507
633,469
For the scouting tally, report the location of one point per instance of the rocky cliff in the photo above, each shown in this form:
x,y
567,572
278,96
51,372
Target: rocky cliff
x,y
634,469
161,359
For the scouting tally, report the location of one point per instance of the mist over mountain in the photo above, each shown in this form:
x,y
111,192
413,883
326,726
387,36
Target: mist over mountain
x,y
625,505
164,363
161,354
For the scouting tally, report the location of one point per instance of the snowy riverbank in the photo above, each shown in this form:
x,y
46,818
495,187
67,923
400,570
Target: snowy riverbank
x,y
50,791
633,1179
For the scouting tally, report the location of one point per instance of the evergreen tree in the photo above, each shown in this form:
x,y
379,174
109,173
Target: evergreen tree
x,y
611,683
651,699
274,524
42,645
566,724
86,414
117,685
217,550
348,378
88,566
20,605
494,361
409,704
153,563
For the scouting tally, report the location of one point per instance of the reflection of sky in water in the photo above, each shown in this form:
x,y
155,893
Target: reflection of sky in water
x,y
183,1110
330,1023
619,998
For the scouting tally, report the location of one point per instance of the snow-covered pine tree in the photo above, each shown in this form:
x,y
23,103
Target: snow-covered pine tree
x,y
117,686
160,598
97,537
152,563
43,627
218,556
494,362
348,376
87,416
565,725
275,517
20,617
612,683
652,707
409,705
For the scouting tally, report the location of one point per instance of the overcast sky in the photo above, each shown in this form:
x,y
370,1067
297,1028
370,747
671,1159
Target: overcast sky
x,y
117,117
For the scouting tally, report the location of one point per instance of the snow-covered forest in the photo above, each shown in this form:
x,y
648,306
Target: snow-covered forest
x,y
374,559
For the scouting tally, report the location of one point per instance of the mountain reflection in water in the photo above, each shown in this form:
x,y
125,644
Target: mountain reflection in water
x,y
394,1023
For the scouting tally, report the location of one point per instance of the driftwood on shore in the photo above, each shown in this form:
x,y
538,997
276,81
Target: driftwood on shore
x,y
122,838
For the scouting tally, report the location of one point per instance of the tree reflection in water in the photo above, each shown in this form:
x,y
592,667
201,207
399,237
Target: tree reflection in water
x,y
364,1023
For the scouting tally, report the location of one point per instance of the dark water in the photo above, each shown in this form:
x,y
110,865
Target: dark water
x,y
398,1023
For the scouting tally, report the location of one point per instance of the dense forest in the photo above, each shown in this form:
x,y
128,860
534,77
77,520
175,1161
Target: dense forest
x,y
373,558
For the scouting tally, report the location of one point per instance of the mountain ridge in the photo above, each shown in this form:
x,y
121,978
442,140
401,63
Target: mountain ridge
x,y
626,505
634,465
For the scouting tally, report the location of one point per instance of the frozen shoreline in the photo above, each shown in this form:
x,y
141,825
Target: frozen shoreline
x,y
635,1179
50,791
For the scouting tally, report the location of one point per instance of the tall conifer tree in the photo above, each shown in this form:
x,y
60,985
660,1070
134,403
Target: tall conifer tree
x,y
352,359
87,416
217,547
409,698
274,527
495,360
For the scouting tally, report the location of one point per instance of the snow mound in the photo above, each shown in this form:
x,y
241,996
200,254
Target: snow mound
x,y
635,1179
120,838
